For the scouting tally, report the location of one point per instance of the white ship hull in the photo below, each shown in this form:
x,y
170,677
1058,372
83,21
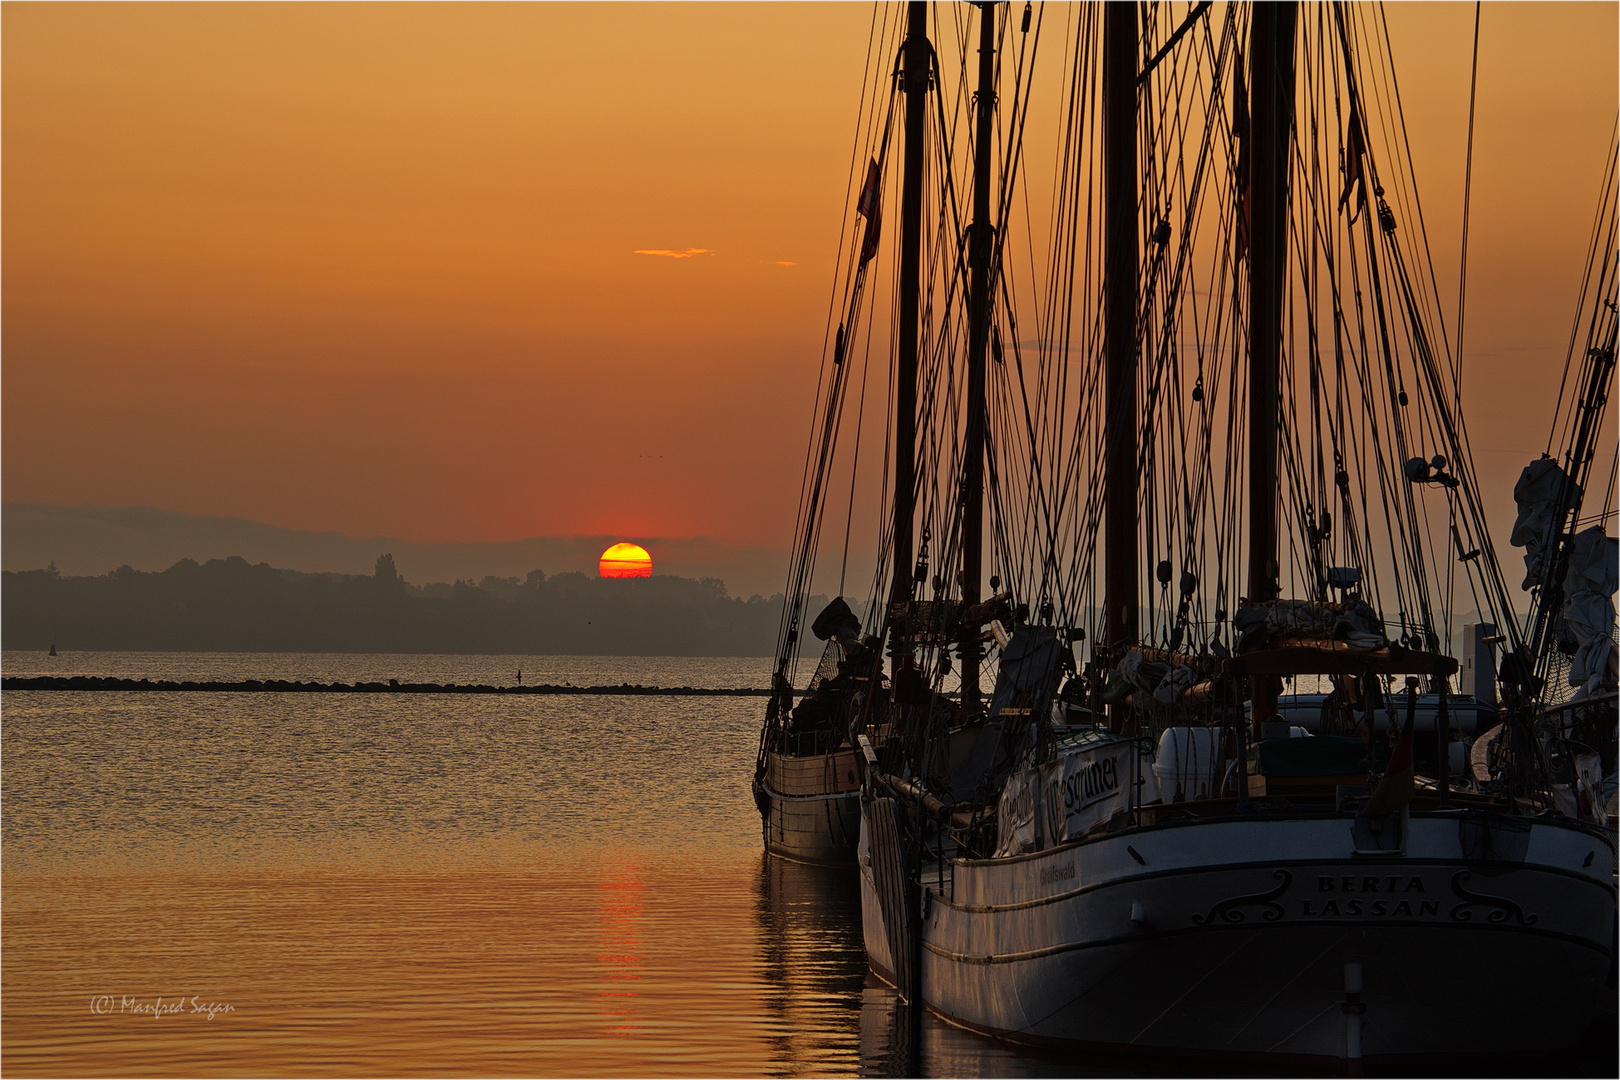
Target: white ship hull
x,y
1233,937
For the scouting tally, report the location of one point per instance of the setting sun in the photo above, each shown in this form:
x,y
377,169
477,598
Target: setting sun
x,y
625,560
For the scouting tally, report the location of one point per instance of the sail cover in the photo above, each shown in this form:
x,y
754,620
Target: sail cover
x,y
1029,670
1540,494
1590,584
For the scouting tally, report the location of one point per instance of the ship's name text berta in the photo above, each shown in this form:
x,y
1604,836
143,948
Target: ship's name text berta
x,y
1363,904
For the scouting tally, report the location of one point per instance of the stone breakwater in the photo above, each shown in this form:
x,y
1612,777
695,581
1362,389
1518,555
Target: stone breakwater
x,y
392,686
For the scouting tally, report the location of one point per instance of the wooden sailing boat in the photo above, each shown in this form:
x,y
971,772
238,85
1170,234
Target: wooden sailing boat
x,y
807,780
1178,874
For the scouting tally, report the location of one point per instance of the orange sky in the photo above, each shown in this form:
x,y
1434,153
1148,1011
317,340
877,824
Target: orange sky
x,y
373,268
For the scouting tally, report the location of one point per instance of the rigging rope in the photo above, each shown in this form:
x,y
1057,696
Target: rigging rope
x,y
1468,186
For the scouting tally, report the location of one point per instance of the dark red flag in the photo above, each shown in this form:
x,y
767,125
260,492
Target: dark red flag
x,y
1355,174
870,207
1395,790
867,204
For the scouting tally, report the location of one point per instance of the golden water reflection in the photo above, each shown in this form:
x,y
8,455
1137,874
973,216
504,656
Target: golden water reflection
x,y
619,950
577,969
604,963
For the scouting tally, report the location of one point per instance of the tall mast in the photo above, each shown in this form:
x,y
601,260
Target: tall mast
x,y
1271,86
981,247
1120,50
914,73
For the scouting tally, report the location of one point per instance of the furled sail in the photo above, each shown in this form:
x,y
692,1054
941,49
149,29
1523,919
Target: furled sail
x,y
1590,584
1541,495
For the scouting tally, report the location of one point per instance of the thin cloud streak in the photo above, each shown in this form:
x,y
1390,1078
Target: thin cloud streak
x,y
684,253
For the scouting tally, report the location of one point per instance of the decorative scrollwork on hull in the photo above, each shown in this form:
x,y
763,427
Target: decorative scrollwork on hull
x,y
1501,908
1231,910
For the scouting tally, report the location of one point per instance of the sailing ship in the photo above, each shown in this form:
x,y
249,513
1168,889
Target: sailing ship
x,y
1145,852
807,780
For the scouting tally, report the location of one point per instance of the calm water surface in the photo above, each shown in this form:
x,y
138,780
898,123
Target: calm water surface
x,y
429,885
421,886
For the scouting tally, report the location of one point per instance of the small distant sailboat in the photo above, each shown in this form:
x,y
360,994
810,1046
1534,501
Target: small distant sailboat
x,y
53,649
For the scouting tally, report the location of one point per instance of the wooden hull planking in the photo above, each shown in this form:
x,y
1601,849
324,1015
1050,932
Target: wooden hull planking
x,y
812,806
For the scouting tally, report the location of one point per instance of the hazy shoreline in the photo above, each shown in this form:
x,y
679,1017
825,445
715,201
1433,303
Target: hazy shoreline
x,y
229,605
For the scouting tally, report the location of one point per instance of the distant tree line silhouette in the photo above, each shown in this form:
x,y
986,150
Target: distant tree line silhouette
x,y
229,605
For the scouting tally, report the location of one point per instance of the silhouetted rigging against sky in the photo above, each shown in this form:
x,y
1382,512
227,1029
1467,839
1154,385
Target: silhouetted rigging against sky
x,y
480,272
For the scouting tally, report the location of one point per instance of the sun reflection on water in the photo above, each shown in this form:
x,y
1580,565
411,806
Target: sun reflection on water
x,y
619,933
